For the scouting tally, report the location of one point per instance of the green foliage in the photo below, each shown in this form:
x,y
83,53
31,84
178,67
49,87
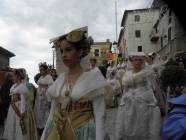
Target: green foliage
x,y
172,75
172,62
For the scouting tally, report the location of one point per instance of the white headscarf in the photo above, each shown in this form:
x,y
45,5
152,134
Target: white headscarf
x,y
132,54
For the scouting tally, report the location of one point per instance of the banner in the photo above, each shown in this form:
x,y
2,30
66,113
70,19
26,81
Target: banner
x,y
112,56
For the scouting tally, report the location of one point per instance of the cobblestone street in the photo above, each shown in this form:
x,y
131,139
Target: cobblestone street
x,y
110,121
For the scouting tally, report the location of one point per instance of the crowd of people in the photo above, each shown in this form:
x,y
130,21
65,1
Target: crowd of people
x,y
72,106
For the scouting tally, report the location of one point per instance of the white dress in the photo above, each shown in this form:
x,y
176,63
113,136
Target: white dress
x,y
41,107
110,70
92,86
138,115
116,87
12,126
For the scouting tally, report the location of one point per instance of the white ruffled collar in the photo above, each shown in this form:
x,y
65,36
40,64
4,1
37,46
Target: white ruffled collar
x,y
87,82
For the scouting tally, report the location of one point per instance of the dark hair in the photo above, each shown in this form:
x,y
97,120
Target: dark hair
x,y
42,65
36,77
21,73
84,43
93,59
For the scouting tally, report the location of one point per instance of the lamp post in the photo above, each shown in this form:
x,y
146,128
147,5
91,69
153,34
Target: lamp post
x,y
115,50
53,56
115,42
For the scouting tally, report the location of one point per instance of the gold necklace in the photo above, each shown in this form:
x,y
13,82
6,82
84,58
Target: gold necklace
x,y
67,92
68,86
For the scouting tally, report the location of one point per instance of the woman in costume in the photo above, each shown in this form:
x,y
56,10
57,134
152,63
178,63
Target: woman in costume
x,y
20,124
78,105
41,107
116,87
111,68
138,115
121,67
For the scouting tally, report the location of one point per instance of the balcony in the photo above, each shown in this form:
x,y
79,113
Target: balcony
x,y
154,37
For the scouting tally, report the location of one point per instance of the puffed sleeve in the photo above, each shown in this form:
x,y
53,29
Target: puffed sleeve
x,y
174,127
100,116
49,80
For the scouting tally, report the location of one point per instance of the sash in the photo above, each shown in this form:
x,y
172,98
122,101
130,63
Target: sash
x,y
64,122
15,98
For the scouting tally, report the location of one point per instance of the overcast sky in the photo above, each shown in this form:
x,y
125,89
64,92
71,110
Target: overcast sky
x,y
27,25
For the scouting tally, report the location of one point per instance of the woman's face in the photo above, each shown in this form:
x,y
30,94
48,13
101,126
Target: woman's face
x,y
92,63
15,77
42,71
137,62
70,55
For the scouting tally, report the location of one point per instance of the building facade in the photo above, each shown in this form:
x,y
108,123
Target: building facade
x,y
101,51
5,56
121,45
137,26
167,33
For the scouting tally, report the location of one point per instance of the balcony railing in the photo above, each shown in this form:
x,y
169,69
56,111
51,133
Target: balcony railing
x,y
154,37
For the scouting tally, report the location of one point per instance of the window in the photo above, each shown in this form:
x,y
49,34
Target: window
x,y
138,33
96,52
169,33
136,18
170,12
139,48
170,18
161,42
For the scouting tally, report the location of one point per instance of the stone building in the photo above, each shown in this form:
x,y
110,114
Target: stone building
x,y
136,26
101,51
167,35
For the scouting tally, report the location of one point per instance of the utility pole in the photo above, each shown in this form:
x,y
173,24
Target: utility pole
x,y
115,43
116,20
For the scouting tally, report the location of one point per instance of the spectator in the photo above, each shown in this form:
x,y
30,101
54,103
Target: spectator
x,y
174,125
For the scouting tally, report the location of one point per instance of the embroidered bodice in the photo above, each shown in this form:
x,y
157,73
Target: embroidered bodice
x,y
137,86
135,80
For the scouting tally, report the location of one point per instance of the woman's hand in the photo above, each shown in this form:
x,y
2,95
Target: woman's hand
x,y
22,115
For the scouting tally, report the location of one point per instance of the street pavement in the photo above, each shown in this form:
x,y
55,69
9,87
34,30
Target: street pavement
x,y
110,121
